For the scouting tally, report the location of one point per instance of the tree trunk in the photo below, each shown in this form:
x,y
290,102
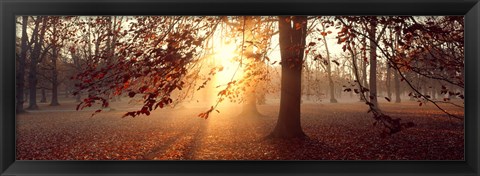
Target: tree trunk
x,y
54,91
21,67
329,70
44,96
396,74
397,87
55,51
32,75
26,98
292,42
332,89
250,105
388,82
425,87
364,75
76,62
356,73
373,63
364,71
306,74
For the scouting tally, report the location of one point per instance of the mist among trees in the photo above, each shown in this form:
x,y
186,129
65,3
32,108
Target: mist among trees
x,y
282,76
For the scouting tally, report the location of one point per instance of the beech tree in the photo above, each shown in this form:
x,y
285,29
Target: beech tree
x,y
292,36
326,23
329,61
20,71
255,34
416,45
154,60
58,33
36,55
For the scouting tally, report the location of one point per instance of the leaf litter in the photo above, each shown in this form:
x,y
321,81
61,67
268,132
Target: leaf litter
x,y
341,131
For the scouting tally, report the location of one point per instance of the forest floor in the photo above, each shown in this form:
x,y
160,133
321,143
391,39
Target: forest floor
x,y
341,131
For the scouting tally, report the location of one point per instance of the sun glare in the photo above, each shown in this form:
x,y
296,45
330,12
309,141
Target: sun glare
x,y
225,56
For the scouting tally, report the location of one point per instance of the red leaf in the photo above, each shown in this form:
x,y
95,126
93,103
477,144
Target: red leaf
x,y
341,40
143,89
159,104
78,106
97,111
133,114
298,26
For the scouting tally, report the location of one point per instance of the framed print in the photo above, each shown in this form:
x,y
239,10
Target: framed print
x,y
239,87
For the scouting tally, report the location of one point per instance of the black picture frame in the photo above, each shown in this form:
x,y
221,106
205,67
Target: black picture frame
x,y
11,8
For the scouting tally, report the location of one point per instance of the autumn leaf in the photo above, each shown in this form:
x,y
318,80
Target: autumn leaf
x,y
336,62
298,26
97,111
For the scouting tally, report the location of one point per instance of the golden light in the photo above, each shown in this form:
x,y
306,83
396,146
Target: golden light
x,y
225,56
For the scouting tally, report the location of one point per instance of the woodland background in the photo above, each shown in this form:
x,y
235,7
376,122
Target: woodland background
x,y
241,87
